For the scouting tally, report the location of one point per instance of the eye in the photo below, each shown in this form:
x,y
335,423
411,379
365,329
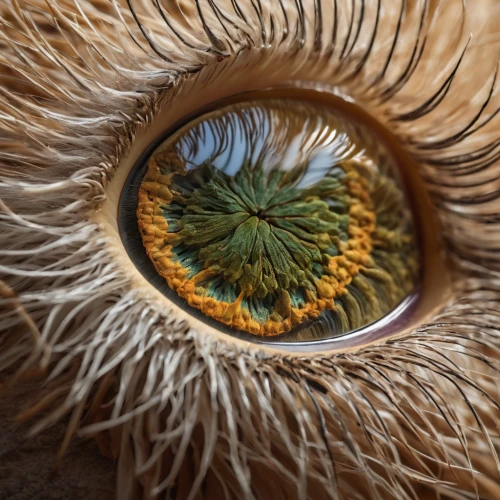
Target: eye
x,y
276,217
398,270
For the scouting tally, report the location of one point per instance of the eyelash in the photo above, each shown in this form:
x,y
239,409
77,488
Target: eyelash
x,y
125,114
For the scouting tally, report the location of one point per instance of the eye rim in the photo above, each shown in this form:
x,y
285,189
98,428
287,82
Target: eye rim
x,y
400,321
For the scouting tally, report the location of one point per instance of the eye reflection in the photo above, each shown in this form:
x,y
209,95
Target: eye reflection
x,y
277,218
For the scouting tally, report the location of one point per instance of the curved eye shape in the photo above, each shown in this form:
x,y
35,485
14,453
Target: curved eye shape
x,y
277,217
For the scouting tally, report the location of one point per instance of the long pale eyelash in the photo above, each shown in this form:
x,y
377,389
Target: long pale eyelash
x,y
414,414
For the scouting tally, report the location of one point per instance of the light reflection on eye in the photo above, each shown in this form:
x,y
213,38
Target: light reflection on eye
x,y
274,218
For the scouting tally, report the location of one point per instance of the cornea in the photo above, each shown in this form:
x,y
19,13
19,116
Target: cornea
x,y
438,291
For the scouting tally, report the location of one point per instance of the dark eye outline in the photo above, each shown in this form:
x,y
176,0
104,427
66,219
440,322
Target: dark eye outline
x,y
394,322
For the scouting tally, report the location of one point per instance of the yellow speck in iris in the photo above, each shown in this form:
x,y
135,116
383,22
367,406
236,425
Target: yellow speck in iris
x,y
267,215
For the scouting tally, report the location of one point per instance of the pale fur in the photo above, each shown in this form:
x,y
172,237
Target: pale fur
x,y
187,414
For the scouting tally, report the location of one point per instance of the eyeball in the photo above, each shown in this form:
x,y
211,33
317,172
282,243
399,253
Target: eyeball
x,y
274,218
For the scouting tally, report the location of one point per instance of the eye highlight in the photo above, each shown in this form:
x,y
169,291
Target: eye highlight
x,y
277,217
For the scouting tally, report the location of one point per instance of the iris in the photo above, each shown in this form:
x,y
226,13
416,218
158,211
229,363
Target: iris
x,y
279,215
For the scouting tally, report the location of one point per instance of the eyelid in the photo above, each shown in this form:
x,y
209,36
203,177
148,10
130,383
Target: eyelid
x,y
435,288
227,76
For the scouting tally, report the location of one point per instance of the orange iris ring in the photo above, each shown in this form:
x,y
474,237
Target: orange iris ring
x,y
339,270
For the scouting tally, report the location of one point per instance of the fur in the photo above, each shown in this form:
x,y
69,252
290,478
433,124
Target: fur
x,y
189,414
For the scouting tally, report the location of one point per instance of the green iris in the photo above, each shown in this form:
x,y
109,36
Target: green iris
x,y
270,215
259,231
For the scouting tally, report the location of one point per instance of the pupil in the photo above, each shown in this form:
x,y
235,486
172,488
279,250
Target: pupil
x,y
277,215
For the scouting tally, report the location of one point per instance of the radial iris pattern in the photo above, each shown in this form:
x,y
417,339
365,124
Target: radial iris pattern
x,y
279,215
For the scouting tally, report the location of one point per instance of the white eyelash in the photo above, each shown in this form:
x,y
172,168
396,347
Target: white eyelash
x,y
414,412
